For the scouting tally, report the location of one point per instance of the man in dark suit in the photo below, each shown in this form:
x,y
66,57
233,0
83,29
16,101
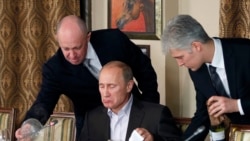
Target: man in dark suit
x,y
122,113
67,72
189,44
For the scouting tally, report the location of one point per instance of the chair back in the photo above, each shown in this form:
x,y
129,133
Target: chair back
x,y
63,130
7,120
182,123
239,132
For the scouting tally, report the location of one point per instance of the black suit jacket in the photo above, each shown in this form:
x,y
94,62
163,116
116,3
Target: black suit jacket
x,y
236,54
156,118
77,83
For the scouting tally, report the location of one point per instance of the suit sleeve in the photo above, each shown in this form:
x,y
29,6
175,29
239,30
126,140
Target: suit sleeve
x,y
200,119
204,90
143,70
47,98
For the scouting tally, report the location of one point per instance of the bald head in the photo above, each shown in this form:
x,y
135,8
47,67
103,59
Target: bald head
x,y
71,24
73,39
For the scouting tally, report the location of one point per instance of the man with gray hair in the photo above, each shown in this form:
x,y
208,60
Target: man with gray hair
x,y
219,69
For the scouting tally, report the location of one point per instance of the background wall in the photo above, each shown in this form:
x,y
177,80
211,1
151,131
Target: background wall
x,y
175,86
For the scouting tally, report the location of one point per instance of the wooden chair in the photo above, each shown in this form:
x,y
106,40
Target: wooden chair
x,y
239,132
64,130
182,123
7,120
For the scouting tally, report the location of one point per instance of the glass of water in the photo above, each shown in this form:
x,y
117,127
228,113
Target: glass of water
x,y
30,128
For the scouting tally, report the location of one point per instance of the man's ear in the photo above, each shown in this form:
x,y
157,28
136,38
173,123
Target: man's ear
x,y
196,46
130,85
88,36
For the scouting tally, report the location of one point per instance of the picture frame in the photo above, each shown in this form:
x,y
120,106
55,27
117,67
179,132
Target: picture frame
x,y
85,12
145,49
145,24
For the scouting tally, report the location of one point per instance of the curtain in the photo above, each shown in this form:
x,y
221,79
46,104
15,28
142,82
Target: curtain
x,y
235,18
27,30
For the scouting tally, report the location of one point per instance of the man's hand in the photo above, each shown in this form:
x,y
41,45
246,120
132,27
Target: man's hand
x,y
18,134
24,133
145,134
220,105
216,120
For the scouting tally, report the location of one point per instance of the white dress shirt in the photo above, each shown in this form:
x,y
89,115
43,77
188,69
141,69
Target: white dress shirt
x,y
119,121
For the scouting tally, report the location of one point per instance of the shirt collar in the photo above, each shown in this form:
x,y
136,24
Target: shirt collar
x,y
90,52
125,109
218,59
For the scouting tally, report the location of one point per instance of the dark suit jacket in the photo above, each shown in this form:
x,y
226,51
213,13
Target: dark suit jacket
x,y
237,65
77,83
156,118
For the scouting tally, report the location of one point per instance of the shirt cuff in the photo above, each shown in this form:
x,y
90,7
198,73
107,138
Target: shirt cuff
x,y
240,107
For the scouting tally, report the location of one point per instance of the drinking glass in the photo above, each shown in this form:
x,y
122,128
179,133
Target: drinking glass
x,y
30,129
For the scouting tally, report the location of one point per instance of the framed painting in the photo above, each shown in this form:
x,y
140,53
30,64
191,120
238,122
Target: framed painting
x,y
139,19
145,49
85,12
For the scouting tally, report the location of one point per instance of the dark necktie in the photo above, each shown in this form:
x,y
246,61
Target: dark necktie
x,y
92,68
217,83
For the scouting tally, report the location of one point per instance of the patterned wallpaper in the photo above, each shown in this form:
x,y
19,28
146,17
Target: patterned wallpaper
x,y
235,18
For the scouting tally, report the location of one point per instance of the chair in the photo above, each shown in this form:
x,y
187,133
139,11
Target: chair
x,y
64,130
7,120
182,123
239,132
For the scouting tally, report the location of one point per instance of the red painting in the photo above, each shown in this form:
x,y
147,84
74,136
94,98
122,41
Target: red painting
x,y
132,15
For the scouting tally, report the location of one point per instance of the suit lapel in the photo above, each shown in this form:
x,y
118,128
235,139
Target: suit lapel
x,y
229,62
106,125
136,117
202,81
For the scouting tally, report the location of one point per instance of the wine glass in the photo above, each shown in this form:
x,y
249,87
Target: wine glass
x,y
4,135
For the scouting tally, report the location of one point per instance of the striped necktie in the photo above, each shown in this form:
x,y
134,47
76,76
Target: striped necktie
x,y
217,83
93,70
